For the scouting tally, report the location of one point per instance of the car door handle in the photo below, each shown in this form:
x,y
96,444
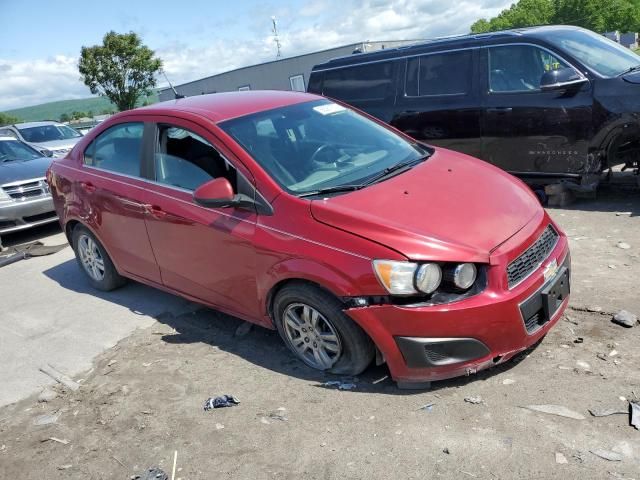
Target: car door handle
x,y
155,211
500,109
88,187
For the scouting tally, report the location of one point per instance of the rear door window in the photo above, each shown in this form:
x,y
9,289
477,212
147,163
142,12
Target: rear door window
x,y
117,149
447,73
373,81
519,68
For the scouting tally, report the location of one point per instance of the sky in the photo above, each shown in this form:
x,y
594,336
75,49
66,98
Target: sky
x,y
40,40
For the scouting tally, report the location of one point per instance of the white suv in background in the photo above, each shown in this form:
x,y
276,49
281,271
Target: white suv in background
x,y
51,138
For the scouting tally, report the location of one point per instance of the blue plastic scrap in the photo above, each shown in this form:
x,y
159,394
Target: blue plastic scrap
x,y
220,402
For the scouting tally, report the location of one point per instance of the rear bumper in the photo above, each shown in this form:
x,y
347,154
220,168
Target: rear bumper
x,y
437,342
20,215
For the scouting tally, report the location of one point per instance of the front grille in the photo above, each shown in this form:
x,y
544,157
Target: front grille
x,y
28,189
532,257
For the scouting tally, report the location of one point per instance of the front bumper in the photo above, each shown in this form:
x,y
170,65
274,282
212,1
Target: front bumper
x,y
428,343
22,214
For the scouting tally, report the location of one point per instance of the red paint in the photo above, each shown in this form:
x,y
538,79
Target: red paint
x,y
449,208
218,188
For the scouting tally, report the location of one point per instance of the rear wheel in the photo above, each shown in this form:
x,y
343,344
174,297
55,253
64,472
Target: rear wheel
x,y
314,327
94,261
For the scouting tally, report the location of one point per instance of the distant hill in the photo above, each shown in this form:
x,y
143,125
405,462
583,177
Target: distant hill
x,y
53,110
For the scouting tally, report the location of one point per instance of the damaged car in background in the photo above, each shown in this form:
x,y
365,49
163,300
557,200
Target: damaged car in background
x,y
355,242
547,104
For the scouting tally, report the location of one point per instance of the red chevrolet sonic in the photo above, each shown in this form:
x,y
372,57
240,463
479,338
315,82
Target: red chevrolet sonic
x,y
293,212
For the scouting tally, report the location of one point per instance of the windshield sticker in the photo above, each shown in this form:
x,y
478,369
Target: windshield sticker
x,y
329,109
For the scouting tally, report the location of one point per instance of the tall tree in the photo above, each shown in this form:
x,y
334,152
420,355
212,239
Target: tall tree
x,y
121,69
525,13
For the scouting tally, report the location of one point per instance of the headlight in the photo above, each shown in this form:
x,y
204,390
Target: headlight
x,y
428,277
464,275
4,196
396,277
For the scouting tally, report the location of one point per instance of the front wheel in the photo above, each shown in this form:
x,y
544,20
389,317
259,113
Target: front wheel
x,y
314,327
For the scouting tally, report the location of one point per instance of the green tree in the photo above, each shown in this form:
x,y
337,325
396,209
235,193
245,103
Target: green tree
x,y
598,15
65,117
6,119
121,69
77,115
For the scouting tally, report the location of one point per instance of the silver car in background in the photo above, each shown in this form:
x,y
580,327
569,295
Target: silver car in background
x,y
25,199
52,138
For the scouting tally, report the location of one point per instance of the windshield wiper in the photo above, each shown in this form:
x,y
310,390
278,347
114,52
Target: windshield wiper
x,y
334,189
629,70
397,168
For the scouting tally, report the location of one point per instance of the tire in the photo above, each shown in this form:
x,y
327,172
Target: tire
x,y
97,267
355,350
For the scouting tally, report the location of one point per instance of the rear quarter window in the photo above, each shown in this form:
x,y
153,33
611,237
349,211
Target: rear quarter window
x,y
446,73
373,81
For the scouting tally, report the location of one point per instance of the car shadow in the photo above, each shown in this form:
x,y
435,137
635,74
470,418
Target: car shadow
x,y
610,198
194,323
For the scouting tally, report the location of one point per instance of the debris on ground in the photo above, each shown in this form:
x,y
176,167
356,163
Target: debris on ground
x,y
634,408
47,419
340,385
219,426
579,340
60,377
625,318
446,450
151,474
602,356
607,454
594,309
560,458
624,245
605,412
583,365
428,407
57,440
474,400
46,395
220,402
279,414
558,410
508,381
243,329
65,467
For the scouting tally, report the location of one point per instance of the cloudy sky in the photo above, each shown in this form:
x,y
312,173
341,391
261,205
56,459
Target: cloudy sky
x,y
41,39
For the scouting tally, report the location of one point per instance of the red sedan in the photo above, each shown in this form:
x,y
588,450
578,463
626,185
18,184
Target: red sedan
x,y
296,213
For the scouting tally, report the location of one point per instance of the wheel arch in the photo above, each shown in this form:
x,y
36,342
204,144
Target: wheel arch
x,y
71,225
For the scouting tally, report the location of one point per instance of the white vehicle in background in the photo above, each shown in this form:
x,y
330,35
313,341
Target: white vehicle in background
x,y
53,139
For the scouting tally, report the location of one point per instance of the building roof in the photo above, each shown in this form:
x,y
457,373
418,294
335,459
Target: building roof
x,y
227,105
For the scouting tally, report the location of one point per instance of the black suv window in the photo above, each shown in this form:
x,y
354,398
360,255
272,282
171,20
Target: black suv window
x,y
117,149
519,68
446,73
185,160
373,81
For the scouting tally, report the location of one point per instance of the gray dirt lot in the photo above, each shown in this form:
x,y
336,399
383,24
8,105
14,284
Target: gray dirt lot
x,y
142,399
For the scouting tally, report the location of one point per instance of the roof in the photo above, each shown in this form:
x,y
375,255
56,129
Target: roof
x,y
219,107
458,41
35,124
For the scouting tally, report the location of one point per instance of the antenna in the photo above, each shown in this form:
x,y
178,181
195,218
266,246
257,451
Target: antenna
x,y
274,30
175,92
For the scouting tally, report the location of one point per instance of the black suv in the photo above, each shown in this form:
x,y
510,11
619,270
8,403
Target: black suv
x,y
541,103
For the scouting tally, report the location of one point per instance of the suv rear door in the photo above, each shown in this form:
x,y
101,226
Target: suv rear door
x,y
438,101
526,130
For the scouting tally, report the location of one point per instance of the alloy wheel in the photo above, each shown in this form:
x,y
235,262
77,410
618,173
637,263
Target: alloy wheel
x,y
90,257
312,336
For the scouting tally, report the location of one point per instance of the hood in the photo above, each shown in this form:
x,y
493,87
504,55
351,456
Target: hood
x,y
16,171
449,208
58,144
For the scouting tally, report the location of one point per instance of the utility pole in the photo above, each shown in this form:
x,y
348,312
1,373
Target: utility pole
x,y
274,30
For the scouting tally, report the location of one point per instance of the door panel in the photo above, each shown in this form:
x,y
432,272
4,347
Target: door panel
x,y
203,252
438,101
527,130
115,200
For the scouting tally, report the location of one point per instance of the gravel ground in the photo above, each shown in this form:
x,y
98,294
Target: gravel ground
x,y
143,399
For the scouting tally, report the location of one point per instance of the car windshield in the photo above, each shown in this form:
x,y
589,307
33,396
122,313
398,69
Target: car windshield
x,y
320,145
602,55
13,150
47,133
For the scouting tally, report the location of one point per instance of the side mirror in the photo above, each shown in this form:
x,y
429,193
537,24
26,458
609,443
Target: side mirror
x,y
218,193
561,79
